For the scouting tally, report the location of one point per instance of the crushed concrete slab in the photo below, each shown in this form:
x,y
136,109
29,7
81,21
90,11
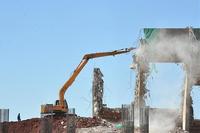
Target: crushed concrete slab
x,y
98,129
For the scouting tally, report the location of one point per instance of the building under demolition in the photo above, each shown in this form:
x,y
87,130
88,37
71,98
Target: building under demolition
x,y
168,46
160,46
157,45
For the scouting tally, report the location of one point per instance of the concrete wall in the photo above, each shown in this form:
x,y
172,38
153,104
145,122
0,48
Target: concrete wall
x,y
4,115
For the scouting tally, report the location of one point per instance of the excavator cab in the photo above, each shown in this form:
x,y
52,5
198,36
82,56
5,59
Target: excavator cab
x,y
65,103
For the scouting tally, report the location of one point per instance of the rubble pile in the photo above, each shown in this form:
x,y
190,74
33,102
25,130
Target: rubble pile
x,y
27,126
195,126
111,114
105,127
179,130
83,122
98,129
54,124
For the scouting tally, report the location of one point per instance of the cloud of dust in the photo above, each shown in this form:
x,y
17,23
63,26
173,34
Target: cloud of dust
x,y
172,48
162,120
177,48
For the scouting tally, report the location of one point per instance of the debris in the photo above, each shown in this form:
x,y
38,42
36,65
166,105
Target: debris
x,y
110,114
58,124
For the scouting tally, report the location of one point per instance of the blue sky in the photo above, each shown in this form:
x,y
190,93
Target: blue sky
x,y
41,42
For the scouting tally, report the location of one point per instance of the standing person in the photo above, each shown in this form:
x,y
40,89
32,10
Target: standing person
x,y
18,117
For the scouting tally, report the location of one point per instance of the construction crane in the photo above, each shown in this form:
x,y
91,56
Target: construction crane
x,y
61,106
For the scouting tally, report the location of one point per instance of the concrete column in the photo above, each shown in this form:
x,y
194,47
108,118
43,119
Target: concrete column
x,y
3,128
144,120
142,74
46,125
186,104
127,116
4,115
97,92
71,126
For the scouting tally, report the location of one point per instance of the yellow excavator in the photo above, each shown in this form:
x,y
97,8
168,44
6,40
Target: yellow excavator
x,y
61,106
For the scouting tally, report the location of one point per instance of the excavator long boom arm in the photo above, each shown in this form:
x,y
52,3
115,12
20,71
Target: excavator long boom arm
x,y
83,62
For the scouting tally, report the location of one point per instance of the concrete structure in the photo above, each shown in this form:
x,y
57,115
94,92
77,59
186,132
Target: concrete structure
x,y
4,115
127,116
100,109
46,125
169,46
141,110
72,111
97,92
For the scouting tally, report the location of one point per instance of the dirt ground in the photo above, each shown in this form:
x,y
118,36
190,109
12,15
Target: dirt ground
x,y
70,124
